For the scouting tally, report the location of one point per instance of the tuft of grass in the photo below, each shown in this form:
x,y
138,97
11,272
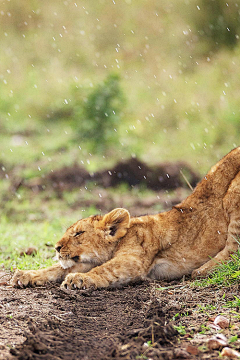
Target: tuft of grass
x,y
180,328
233,339
233,303
225,274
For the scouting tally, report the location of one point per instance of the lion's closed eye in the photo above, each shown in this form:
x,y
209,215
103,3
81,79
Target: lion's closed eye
x,y
78,233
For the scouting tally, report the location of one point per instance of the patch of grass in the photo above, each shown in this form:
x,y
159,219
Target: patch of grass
x,y
205,308
16,239
225,274
232,303
22,227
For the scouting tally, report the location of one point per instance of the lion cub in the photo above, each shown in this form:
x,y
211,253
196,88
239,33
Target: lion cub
x,y
114,249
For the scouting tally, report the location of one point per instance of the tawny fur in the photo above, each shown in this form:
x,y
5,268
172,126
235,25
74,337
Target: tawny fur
x,y
192,238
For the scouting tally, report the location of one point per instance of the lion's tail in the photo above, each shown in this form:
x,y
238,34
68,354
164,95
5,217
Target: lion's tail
x,y
218,179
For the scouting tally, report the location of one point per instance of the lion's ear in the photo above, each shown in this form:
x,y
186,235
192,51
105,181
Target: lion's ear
x,y
116,223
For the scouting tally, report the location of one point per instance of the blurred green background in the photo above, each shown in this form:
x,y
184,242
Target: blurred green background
x,y
158,79
94,82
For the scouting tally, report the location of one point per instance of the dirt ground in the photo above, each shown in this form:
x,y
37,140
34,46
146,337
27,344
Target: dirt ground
x,y
135,322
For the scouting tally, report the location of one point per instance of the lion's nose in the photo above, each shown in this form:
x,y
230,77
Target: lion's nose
x,y
58,248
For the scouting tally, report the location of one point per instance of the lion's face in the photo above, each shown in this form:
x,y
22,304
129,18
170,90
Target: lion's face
x,y
92,240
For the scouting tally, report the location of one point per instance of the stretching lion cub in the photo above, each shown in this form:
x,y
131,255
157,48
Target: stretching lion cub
x,y
114,249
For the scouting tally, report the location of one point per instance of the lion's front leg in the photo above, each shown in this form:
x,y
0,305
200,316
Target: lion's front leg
x,y
55,273
23,278
117,271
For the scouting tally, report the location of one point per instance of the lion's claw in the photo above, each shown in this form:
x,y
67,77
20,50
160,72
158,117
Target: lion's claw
x,y
77,281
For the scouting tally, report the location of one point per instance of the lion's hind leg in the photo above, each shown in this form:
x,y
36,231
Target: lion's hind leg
x,y
231,205
221,257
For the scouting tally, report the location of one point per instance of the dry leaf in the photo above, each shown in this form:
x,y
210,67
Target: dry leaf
x,y
222,321
193,350
215,327
217,342
212,318
181,353
231,353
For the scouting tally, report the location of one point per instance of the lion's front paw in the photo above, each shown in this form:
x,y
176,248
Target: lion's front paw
x,y
77,281
23,278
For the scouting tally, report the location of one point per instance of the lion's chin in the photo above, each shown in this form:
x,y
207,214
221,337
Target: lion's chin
x,y
66,264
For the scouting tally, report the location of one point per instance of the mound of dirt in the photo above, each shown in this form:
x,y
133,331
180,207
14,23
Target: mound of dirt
x,y
166,176
132,172
70,177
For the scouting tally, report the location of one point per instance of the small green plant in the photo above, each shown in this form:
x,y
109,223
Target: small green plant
x,y
233,303
204,308
102,114
204,329
233,339
180,328
149,343
176,316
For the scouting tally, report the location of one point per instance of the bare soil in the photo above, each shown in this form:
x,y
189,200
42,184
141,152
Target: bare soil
x,y
134,322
